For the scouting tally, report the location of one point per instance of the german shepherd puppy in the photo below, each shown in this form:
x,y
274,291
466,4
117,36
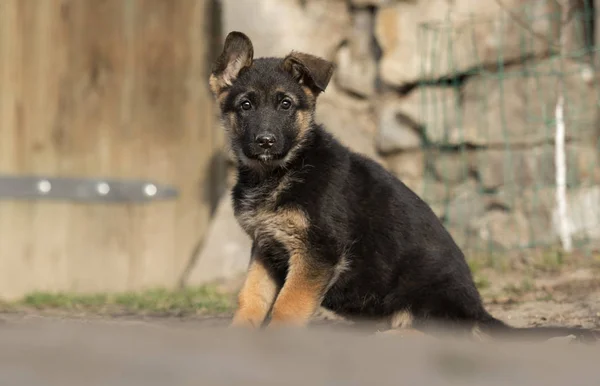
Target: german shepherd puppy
x,y
331,227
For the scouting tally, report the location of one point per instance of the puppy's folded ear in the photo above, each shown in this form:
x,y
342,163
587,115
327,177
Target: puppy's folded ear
x,y
309,70
237,54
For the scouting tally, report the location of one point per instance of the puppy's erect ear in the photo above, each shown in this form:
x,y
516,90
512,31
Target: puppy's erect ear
x,y
237,54
309,70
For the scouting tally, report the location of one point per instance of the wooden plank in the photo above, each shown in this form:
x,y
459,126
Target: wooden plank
x,y
14,218
171,105
98,244
23,90
114,88
47,232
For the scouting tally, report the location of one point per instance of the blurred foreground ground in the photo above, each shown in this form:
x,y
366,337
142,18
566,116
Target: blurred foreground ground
x,y
70,352
54,346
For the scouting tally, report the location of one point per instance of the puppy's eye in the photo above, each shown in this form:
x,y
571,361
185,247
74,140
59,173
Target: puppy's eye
x,y
246,105
286,104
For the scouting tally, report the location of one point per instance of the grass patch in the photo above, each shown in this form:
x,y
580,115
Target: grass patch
x,y
198,300
545,297
484,261
481,282
552,260
527,285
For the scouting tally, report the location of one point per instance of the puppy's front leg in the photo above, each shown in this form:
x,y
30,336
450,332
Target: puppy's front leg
x,y
256,297
301,294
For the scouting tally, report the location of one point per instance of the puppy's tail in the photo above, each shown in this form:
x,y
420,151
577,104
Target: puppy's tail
x,y
498,329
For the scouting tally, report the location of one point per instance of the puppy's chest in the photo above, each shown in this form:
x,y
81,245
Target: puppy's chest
x,y
263,216
254,211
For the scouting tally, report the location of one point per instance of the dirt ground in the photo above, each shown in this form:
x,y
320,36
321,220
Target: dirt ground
x,y
570,297
567,295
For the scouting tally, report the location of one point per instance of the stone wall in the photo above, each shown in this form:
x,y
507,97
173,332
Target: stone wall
x,y
465,113
456,98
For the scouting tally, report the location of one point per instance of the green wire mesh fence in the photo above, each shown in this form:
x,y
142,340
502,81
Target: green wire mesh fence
x,y
489,97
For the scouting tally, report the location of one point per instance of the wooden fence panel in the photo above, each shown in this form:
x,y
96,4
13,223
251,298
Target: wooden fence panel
x,y
112,88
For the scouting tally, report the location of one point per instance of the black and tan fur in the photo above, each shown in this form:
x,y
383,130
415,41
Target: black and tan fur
x,y
331,227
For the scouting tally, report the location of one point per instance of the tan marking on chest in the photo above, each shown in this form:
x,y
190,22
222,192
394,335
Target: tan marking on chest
x,y
287,225
262,219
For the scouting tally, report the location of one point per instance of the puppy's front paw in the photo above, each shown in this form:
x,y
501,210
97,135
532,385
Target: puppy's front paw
x,y
243,320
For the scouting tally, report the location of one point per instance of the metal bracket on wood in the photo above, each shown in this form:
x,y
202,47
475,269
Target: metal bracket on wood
x,y
83,190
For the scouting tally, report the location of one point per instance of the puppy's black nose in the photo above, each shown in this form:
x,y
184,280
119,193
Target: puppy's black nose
x,y
265,141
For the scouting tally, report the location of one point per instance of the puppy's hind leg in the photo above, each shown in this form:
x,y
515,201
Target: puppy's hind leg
x,y
401,323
